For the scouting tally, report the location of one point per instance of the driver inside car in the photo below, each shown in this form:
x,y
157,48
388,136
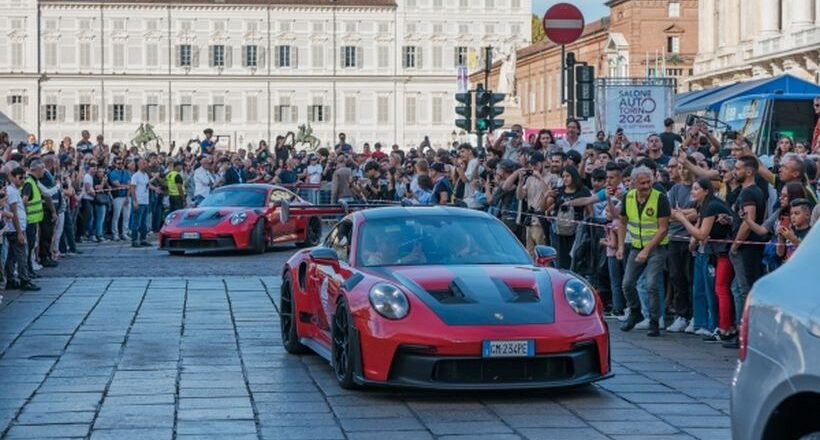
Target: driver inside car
x,y
385,249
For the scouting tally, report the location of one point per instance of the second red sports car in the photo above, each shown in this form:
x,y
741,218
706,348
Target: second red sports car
x,y
443,298
247,216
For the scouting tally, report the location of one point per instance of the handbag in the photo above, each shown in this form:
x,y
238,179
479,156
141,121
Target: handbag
x,y
102,198
564,223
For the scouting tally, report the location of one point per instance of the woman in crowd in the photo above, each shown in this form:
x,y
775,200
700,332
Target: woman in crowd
x,y
785,145
711,257
101,200
563,227
544,142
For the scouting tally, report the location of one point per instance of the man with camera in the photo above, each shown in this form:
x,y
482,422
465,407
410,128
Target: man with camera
x,y
510,144
533,189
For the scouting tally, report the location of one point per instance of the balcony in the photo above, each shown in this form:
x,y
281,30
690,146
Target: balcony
x,y
803,38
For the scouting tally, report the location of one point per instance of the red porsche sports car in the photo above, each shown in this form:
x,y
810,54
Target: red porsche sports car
x,y
440,298
247,216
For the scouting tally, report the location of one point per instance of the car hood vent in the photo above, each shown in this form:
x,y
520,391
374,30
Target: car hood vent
x,y
458,293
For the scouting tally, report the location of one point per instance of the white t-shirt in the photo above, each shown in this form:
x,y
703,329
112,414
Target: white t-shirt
x,y
314,173
13,196
580,145
140,182
203,179
88,182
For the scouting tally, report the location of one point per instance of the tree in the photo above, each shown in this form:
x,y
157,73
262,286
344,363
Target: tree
x,y
537,29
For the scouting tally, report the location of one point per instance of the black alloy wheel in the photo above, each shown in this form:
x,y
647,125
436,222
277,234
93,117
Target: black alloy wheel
x,y
290,339
341,356
313,233
258,244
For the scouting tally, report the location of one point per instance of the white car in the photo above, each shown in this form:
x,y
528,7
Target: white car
x,y
776,388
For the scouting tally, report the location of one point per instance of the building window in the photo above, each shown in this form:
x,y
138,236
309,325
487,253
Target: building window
x,y
515,29
489,4
283,56
152,113
251,58
350,109
285,26
284,112
151,25
85,54
217,113
384,28
461,53
118,112
50,56
410,110
51,112
438,28
350,56
317,57
119,55
318,113
383,110
217,56
674,8
515,4
252,108
673,44
409,56
489,29
17,103
438,116
383,57
186,113
463,4
17,53
438,57
151,55
463,28
84,112
318,27
185,55
350,27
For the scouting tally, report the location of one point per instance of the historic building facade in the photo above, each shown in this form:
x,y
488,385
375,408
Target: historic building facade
x,y
378,70
639,38
745,39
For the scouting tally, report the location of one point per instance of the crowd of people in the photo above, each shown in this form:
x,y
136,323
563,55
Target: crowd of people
x,y
672,230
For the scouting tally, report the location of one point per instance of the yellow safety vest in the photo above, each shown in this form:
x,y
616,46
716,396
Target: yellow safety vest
x,y
171,181
34,207
643,225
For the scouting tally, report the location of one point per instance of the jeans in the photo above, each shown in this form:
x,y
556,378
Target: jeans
x,y
155,202
748,265
176,203
139,224
119,204
69,243
99,219
46,235
680,276
31,242
704,302
654,266
17,258
643,295
88,217
616,273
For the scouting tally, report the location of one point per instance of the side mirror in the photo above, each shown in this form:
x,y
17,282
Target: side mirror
x,y
284,212
545,256
324,255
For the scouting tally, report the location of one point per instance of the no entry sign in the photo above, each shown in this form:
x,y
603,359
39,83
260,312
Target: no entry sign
x,y
563,23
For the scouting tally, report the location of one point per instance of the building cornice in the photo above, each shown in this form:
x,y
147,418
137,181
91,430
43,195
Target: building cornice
x,y
229,77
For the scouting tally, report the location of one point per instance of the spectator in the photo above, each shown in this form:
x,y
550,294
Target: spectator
x,y
203,179
140,198
119,179
17,259
84,146
670,140
343,147
442,189
572,140
176,187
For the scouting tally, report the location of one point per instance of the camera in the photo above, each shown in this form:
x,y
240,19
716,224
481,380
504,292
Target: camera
x,y
527,173
691,120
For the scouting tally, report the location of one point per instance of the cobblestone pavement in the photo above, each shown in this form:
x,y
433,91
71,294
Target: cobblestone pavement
x,y
155,357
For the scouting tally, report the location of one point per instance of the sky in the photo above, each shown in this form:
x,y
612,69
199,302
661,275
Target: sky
x,y
592,9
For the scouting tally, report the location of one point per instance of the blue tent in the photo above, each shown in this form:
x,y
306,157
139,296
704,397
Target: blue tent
x,y
710,100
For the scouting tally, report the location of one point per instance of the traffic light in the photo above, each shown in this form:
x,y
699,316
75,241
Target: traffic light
x,y
486,109
465,111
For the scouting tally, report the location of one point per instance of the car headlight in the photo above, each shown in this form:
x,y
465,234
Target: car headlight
x,y
170,218
238,218
389,301
579,296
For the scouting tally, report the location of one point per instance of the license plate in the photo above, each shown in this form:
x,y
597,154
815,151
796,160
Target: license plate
x,y
523,348
190,235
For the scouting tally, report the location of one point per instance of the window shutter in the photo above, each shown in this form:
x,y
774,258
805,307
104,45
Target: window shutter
x,y
177,113
128,111
194,56
210,56
61,113
277,113
228,56
110,112
161,116
227,113
359,57
210,113
76,112
143,113
419,57
25,100
277,58
294,57
195,113
342,56
95,112
260,56
294,114
311,117
326,114
178,54
244,56
42,113
8,99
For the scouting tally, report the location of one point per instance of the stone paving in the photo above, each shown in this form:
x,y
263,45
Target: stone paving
x,y
162,358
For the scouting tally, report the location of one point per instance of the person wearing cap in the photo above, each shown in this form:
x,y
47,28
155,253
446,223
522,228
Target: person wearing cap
x,y
176,186
208,145
533,189
442,189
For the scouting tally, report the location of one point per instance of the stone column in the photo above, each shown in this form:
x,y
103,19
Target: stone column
x,y
800,13
817,12
706,31
768,17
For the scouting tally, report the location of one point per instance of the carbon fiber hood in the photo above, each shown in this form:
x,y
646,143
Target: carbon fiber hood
x,y
205,216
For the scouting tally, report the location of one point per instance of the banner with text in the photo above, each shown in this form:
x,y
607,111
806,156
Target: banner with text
x,y
637,109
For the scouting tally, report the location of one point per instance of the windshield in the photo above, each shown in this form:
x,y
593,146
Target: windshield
x,y
437,240
244,198
744,116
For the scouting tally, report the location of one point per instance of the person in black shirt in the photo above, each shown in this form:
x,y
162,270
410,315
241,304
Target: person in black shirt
x,y
669,137
442,189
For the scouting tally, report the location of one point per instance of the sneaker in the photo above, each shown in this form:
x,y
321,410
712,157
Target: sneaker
x,y
125,237
97,240
734,342
115,238
36,266
630,323
718,336
691,327
643,325
12,285
662,322
702,332
625,316
28,286
678,325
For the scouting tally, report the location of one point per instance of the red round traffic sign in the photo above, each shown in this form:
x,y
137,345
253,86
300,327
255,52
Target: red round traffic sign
x,y
563,23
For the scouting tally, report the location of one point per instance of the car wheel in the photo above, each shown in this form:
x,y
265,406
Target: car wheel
x,y
341,356
176,253
812,436
313,233
258,244
287,318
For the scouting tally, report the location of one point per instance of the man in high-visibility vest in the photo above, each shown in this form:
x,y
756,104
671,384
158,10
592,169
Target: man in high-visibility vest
x,y
35,206
645,214
176,187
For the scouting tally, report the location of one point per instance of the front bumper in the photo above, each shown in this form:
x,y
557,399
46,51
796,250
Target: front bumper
x,y
556,370
217,243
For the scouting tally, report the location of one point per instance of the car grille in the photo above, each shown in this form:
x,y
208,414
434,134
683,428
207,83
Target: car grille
x,y
502,370
199,244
